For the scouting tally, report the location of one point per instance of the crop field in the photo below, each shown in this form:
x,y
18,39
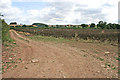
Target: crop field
x,y
85,34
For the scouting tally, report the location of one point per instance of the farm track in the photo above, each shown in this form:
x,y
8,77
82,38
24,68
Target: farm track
x,y
55,61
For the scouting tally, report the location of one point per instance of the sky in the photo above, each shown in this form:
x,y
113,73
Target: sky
x,y
59,11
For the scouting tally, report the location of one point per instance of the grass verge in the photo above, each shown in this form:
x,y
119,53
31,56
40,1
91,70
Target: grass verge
x,y
49,39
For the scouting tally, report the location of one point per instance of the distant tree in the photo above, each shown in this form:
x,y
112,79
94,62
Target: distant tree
x,y
13,23
117,26
30,26
114,26
24,26
57,26
92,25
74,26
40,24
102,24
108,27
17,26
84,25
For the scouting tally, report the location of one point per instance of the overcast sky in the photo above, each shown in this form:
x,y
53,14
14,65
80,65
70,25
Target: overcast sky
x,y
59,11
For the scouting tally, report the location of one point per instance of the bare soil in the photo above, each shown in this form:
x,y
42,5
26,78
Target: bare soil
x,y
62,60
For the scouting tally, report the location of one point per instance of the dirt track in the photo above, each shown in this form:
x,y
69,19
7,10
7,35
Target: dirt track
x,y
55,61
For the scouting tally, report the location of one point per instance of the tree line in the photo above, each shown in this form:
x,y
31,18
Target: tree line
x,y
100,25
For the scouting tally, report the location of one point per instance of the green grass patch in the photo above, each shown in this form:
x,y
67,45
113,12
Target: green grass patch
x,y
15,66
24,39
8,39
117,58
84,55
84,50
49,39
112,66
101,59
21,38
118,71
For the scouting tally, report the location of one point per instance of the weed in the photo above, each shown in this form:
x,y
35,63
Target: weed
x,y
24,39
84,50
119,71
101,59
107,65
113,68
5,44
20,59
96,52
21,38
117,58
14,43
8,66
15,66
84,55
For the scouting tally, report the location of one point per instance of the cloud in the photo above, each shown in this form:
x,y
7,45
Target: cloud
x,y
108,5
10,13
62,11
5,4
89,15
53,13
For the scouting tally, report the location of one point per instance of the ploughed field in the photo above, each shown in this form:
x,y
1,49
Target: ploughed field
x,y
62,53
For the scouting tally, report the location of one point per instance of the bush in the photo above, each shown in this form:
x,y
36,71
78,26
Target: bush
x,y
5,32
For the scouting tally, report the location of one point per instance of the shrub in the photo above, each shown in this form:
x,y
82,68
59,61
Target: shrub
x,y
5,32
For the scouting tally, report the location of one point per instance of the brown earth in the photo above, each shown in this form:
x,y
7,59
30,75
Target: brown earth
x,y
62,60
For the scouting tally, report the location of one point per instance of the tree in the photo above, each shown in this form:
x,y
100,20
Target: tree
x,y
13,23
92,25
102,24
112,26
40,24
57,26
84,25
24,26
108,26
117,26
